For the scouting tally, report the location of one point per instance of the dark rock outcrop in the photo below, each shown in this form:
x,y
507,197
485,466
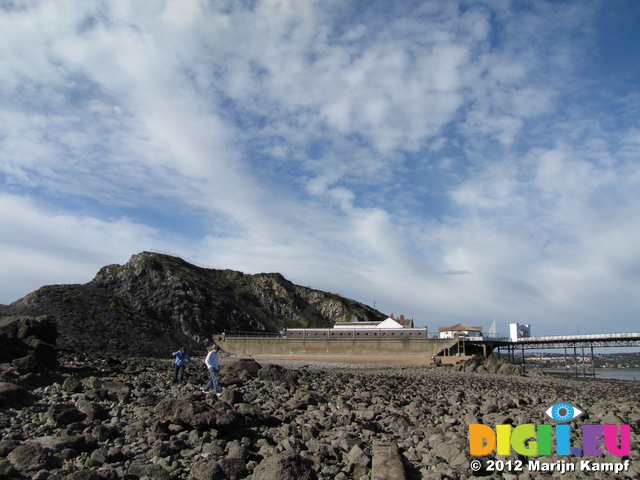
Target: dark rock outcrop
x,y
27,358
29,338
492,364
12,395
156,303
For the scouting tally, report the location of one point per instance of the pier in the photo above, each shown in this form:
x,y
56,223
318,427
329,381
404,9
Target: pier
x,y
582,346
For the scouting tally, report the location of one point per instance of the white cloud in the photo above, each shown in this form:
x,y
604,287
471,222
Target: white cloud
x,y
380,154
41,247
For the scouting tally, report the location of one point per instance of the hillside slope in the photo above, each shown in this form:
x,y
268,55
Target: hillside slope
x,y
157,302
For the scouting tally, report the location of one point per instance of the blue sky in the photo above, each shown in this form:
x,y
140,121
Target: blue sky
x,y
452,161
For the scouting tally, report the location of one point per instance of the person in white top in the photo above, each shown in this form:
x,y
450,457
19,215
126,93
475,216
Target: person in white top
x,y
212,364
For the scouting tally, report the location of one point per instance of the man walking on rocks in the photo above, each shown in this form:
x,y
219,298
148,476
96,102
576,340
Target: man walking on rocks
x,y
212,364
182,357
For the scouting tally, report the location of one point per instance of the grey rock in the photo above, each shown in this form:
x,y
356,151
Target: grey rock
x,y
190,411
238,371
509,369
6,446
118,391
276,373
303,399
72,385
154,472
196,413
12,395
29,457
64,414
78,443
489,407
358,457
236,450
99,456
86,474
232,396
93,410
207,470
233,468
28,364
285,466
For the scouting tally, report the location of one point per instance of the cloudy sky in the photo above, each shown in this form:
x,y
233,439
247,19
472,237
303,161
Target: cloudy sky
x,y
452,161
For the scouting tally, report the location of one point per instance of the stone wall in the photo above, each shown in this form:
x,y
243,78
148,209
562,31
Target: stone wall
x,y
335,346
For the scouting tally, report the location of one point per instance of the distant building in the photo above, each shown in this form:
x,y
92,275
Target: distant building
x,y
459,331
518,330
390,322
405,322
391,327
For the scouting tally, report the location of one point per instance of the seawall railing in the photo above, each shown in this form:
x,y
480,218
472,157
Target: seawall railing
x,y
241,334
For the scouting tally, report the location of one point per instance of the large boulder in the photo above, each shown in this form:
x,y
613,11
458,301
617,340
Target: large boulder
x,y
490,364
12,395
29,457
194,412
285,466
155,472
63,414
28,364
239,371
28,343
206,469
278,374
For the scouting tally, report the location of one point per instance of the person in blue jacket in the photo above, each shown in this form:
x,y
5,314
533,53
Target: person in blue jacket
x,y
182,357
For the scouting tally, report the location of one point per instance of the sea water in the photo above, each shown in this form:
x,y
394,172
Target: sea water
x,y
619,373
610,373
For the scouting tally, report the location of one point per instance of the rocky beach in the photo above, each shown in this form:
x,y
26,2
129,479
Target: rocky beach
x,y
107,418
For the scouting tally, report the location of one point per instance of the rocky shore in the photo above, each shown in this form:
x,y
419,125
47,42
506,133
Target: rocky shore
x,y
110,418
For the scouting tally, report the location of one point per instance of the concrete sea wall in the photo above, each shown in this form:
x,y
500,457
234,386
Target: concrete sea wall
x,y
277,346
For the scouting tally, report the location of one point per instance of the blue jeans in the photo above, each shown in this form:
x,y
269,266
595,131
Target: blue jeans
x,y
178,373
213,381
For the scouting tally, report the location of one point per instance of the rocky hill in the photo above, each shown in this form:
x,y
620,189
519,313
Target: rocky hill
x,y
155,303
